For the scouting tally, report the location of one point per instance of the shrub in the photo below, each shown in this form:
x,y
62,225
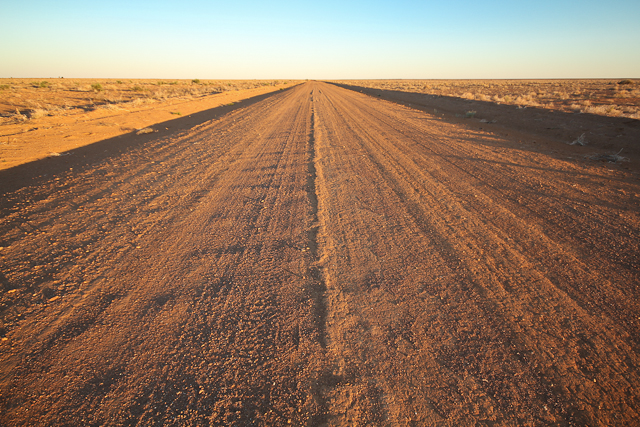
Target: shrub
x,y
36,113
195,81
137,88
97,87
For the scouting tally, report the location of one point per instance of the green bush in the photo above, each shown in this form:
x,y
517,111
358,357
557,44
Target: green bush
x,y
97,87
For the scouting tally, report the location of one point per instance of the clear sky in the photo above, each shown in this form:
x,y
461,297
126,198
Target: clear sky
x,y
249,39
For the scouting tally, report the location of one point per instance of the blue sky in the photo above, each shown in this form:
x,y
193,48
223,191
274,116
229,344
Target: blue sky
x,y
246,39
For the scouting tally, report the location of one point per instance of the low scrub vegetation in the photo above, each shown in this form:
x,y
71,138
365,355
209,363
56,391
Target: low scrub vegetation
x,y
28,99
603,97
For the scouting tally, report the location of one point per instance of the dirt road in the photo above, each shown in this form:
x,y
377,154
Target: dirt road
x,y
321,257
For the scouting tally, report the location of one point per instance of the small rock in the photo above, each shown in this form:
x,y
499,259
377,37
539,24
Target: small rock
x,y
145,130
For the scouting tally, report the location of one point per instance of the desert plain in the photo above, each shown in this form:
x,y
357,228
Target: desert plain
x,y
337,253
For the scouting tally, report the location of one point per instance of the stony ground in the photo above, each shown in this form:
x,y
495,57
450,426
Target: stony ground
x,y
321,257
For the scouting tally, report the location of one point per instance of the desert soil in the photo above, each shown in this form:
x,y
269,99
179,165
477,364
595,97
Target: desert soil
x,y
613,98
68,118
320,256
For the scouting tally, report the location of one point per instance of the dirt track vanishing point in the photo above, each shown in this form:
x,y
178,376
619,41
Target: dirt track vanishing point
x,y
321,257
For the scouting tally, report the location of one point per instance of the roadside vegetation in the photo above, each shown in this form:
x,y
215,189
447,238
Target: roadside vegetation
x,y
27,99
616,98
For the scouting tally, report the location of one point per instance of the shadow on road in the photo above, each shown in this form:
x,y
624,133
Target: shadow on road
x,y
605,135
81,158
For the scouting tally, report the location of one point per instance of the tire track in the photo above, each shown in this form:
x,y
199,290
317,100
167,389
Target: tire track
x,y
526,201
487,279
201,320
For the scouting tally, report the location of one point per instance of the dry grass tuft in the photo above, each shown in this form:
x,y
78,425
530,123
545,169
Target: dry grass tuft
x,y
611,158
580,140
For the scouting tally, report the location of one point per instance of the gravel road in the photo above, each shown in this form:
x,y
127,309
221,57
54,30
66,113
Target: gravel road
x,y
320,257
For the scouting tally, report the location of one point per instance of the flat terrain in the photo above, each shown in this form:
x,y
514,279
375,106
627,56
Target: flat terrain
x,y
41,119
607,97
23,99
320,256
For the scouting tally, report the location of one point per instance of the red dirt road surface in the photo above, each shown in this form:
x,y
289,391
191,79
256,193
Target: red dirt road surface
x,y
320,257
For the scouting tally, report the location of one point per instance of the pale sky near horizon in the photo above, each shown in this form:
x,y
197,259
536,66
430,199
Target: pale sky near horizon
x,y
248,39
